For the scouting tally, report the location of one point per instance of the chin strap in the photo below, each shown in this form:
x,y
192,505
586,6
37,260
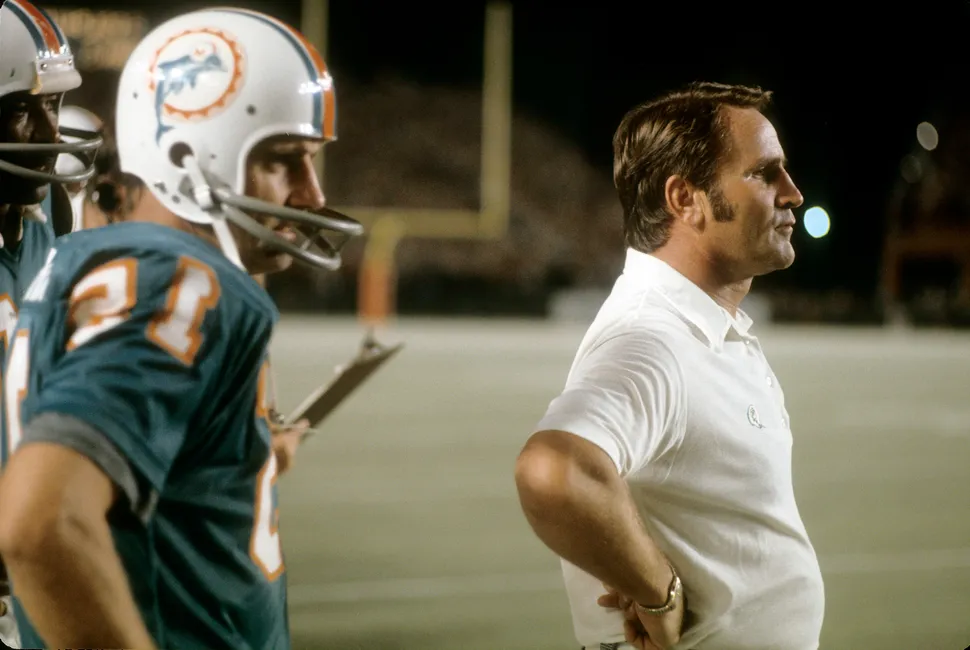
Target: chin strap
x,y
203,196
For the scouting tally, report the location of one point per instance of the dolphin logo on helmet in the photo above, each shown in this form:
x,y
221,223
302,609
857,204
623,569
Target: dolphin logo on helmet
x,y
196,72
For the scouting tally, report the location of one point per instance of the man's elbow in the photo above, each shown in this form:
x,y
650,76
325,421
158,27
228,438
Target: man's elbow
x,y
544,474
27,528
50,496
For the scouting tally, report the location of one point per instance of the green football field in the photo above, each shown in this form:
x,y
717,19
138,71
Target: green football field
x,y
402,529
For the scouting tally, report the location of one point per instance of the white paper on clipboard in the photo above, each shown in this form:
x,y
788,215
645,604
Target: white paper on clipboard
x,y
321,402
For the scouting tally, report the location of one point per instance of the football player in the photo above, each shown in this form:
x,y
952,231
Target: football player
x,y
106,200
38,68
138,508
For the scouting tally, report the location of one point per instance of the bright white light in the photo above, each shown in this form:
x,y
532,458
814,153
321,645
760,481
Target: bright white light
x,y
816,222
927,136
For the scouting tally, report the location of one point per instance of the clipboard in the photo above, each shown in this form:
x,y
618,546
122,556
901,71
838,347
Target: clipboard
x,y
320,403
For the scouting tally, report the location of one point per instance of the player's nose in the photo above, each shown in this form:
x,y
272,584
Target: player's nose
x,y
307,193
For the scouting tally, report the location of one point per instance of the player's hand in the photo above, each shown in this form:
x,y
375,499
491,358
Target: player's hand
x,y
645,631
286,440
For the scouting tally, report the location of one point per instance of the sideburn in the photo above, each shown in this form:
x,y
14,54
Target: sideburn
x,y
722,209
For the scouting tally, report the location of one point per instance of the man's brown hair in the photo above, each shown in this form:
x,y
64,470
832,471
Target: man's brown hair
x,y
682,132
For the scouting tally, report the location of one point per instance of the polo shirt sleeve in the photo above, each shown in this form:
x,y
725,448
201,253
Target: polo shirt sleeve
x,y
625,395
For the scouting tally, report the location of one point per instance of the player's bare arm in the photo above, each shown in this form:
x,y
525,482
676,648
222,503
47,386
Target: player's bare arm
x,y
55,538
580,507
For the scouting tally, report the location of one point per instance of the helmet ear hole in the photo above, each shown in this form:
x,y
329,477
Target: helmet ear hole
x,y
178,152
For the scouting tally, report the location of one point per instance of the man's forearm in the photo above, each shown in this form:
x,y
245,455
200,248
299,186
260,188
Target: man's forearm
x,y
586,515
75,590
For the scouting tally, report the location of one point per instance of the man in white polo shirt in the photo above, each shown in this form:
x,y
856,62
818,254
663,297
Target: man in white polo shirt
x,y
661,475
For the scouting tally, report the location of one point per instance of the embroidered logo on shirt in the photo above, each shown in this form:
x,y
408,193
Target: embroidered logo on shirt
x,y
753,418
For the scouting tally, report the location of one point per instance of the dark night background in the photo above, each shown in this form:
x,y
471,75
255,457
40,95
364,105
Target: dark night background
x,y
851,83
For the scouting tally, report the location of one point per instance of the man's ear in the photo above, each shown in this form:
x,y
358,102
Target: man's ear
x,y
685,201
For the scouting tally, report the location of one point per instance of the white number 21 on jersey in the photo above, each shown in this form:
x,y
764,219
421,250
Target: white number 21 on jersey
x,y
102,300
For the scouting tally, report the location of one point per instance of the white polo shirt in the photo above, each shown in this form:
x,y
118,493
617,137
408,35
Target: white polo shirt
x,y
679,394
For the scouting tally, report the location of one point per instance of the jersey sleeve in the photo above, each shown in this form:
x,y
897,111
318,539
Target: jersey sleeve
x,y
133,339
627,397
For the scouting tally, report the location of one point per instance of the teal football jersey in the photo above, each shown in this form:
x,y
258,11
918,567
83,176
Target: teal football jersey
x,y
19,265
150,339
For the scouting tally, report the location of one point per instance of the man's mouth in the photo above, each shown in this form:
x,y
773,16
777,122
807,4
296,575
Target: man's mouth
x,y
283,231
286,233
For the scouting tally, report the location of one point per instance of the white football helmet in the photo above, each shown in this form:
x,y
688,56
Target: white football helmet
x,y
198,93
35,57
77,119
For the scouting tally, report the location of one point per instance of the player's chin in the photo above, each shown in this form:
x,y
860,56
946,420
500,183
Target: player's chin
x,y
269,262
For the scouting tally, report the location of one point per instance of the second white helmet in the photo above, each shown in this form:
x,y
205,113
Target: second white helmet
x,y
198,93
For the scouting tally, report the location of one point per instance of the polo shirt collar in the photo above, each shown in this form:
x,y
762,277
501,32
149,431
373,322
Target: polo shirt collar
x,y
696,306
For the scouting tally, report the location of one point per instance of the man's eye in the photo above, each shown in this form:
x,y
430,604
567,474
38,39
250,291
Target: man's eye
x,y
284,161
770,174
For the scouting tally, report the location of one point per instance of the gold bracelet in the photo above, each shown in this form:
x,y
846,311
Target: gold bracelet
x,y
674,592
